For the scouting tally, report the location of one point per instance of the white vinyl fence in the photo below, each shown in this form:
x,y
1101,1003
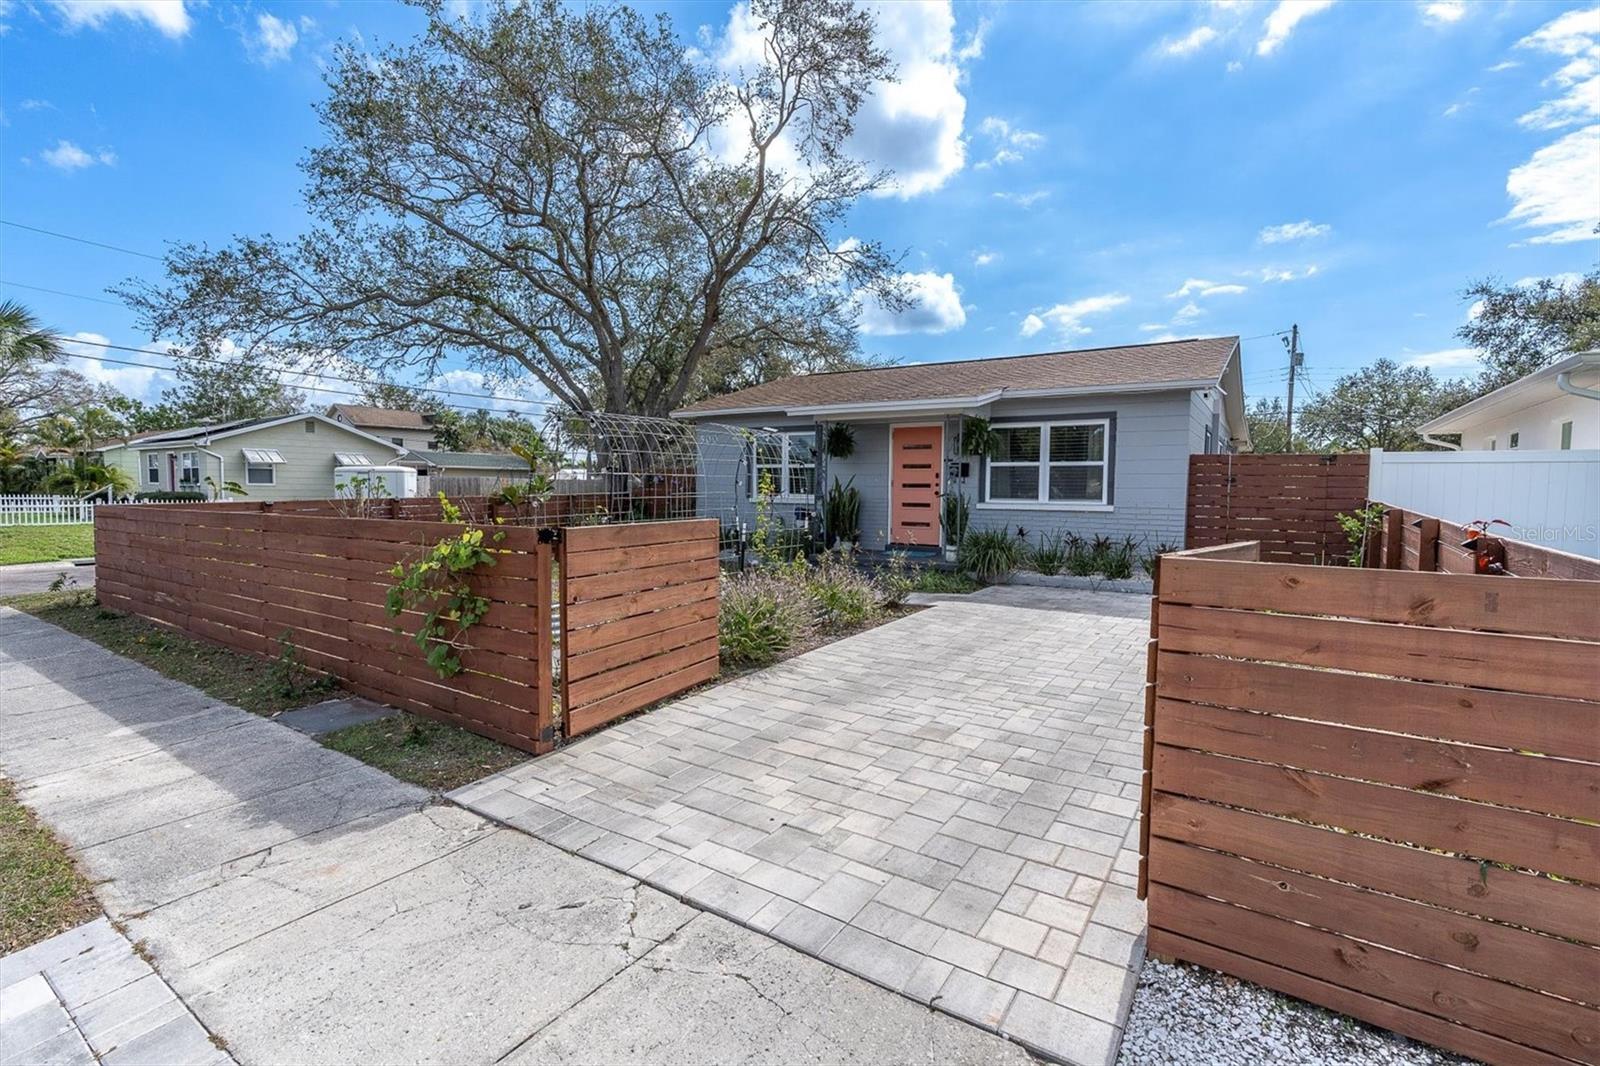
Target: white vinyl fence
x,y
45,511
1550,498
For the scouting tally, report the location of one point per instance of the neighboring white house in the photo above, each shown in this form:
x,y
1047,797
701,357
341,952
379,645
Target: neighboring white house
x,y
1554,409
287,457
409,429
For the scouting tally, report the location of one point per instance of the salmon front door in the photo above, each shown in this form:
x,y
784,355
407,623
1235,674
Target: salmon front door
x,y
916,454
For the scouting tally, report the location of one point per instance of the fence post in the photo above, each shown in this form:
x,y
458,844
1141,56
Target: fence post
x,y
1428,549
1393,539
1151,660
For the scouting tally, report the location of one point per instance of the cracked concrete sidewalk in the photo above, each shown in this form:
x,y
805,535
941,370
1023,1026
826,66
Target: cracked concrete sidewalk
x,y
308,908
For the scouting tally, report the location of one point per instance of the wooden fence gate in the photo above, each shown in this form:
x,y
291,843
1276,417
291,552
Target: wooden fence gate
x,y
638,616
1380,791
1287,503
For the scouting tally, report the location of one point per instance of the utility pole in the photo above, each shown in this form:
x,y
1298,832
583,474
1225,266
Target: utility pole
x,y
1296,357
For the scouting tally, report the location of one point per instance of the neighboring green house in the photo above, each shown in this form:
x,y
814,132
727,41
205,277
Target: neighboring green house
x,y
286,457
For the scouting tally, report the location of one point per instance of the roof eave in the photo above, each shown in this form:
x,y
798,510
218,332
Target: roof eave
x,y
951,403
1511,396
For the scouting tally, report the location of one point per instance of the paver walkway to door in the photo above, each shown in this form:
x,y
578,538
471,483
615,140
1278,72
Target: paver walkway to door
x,y
945,805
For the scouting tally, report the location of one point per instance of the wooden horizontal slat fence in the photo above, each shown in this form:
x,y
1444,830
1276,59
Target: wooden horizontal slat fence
x,y
1380,791
1410,540
1287,503
556,510
247,577
639,616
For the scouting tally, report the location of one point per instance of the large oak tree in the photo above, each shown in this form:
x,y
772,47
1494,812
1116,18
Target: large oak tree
x,y
568,193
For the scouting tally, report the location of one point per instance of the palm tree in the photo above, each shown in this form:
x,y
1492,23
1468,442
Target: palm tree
x,y
22,339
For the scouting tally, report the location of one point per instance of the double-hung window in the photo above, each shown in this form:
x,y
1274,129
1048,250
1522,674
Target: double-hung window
x,y
152,468
188,468
1052,463
788,460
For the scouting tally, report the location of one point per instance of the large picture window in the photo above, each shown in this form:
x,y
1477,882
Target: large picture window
x,y
790,460
1061,463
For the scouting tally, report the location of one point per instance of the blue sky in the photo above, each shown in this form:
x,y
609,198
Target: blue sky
x,y
1069,175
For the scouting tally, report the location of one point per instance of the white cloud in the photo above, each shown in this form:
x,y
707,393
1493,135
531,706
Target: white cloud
x,y
1575,37
136,381
1284,18
1010,142
973,48
1067,318
1305,229
911,126
1450,362
1234,66
1443,12
1188,312
68,156
984,257
1555,189
1023,199
273,39
1201,287
1152,327
1189,43
1275,274
170,17
935,308
1504,64
496,394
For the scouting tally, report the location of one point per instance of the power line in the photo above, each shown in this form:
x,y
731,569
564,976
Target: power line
x,y
280,371
79,240
60,292
315,388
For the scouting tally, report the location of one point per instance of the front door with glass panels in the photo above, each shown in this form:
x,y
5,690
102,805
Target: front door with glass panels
x,y
915,457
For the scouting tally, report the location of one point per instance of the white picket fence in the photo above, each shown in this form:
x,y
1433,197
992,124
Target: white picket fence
x,y
45,511
1550,498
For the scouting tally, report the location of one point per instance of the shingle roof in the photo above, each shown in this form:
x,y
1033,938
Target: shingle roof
x,y
1133,365
379,417
466,460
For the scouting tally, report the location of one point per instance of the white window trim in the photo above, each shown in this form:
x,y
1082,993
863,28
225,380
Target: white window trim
x,y
1565,427
1043,502
271,468
783,465
184,459
152,465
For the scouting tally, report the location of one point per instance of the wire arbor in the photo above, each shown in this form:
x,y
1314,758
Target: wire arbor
x,y
656,469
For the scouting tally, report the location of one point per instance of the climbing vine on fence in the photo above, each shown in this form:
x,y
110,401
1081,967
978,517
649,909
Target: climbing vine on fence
x,y
437,585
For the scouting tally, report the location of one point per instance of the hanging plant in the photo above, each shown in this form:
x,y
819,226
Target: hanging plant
x,y
839,441
978,437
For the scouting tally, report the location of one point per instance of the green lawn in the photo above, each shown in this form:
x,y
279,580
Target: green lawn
x,y
42,892
426,753
45,544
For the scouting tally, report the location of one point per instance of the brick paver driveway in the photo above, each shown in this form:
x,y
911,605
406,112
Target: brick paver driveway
x,y
945,805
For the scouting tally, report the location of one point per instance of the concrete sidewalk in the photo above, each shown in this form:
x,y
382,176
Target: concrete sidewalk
x,y
22,578
309,908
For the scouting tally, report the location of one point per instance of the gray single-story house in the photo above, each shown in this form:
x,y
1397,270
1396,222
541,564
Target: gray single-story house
x,y
1094,441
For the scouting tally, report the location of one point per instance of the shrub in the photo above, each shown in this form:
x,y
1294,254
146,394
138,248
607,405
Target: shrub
x,y
1117,560
841,594
1050,557
841,512
989,554
894,580
758,620
1149,561
957,514
1081,559
930,580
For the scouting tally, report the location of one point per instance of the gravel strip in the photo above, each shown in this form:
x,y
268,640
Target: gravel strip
x,y
1185,1014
